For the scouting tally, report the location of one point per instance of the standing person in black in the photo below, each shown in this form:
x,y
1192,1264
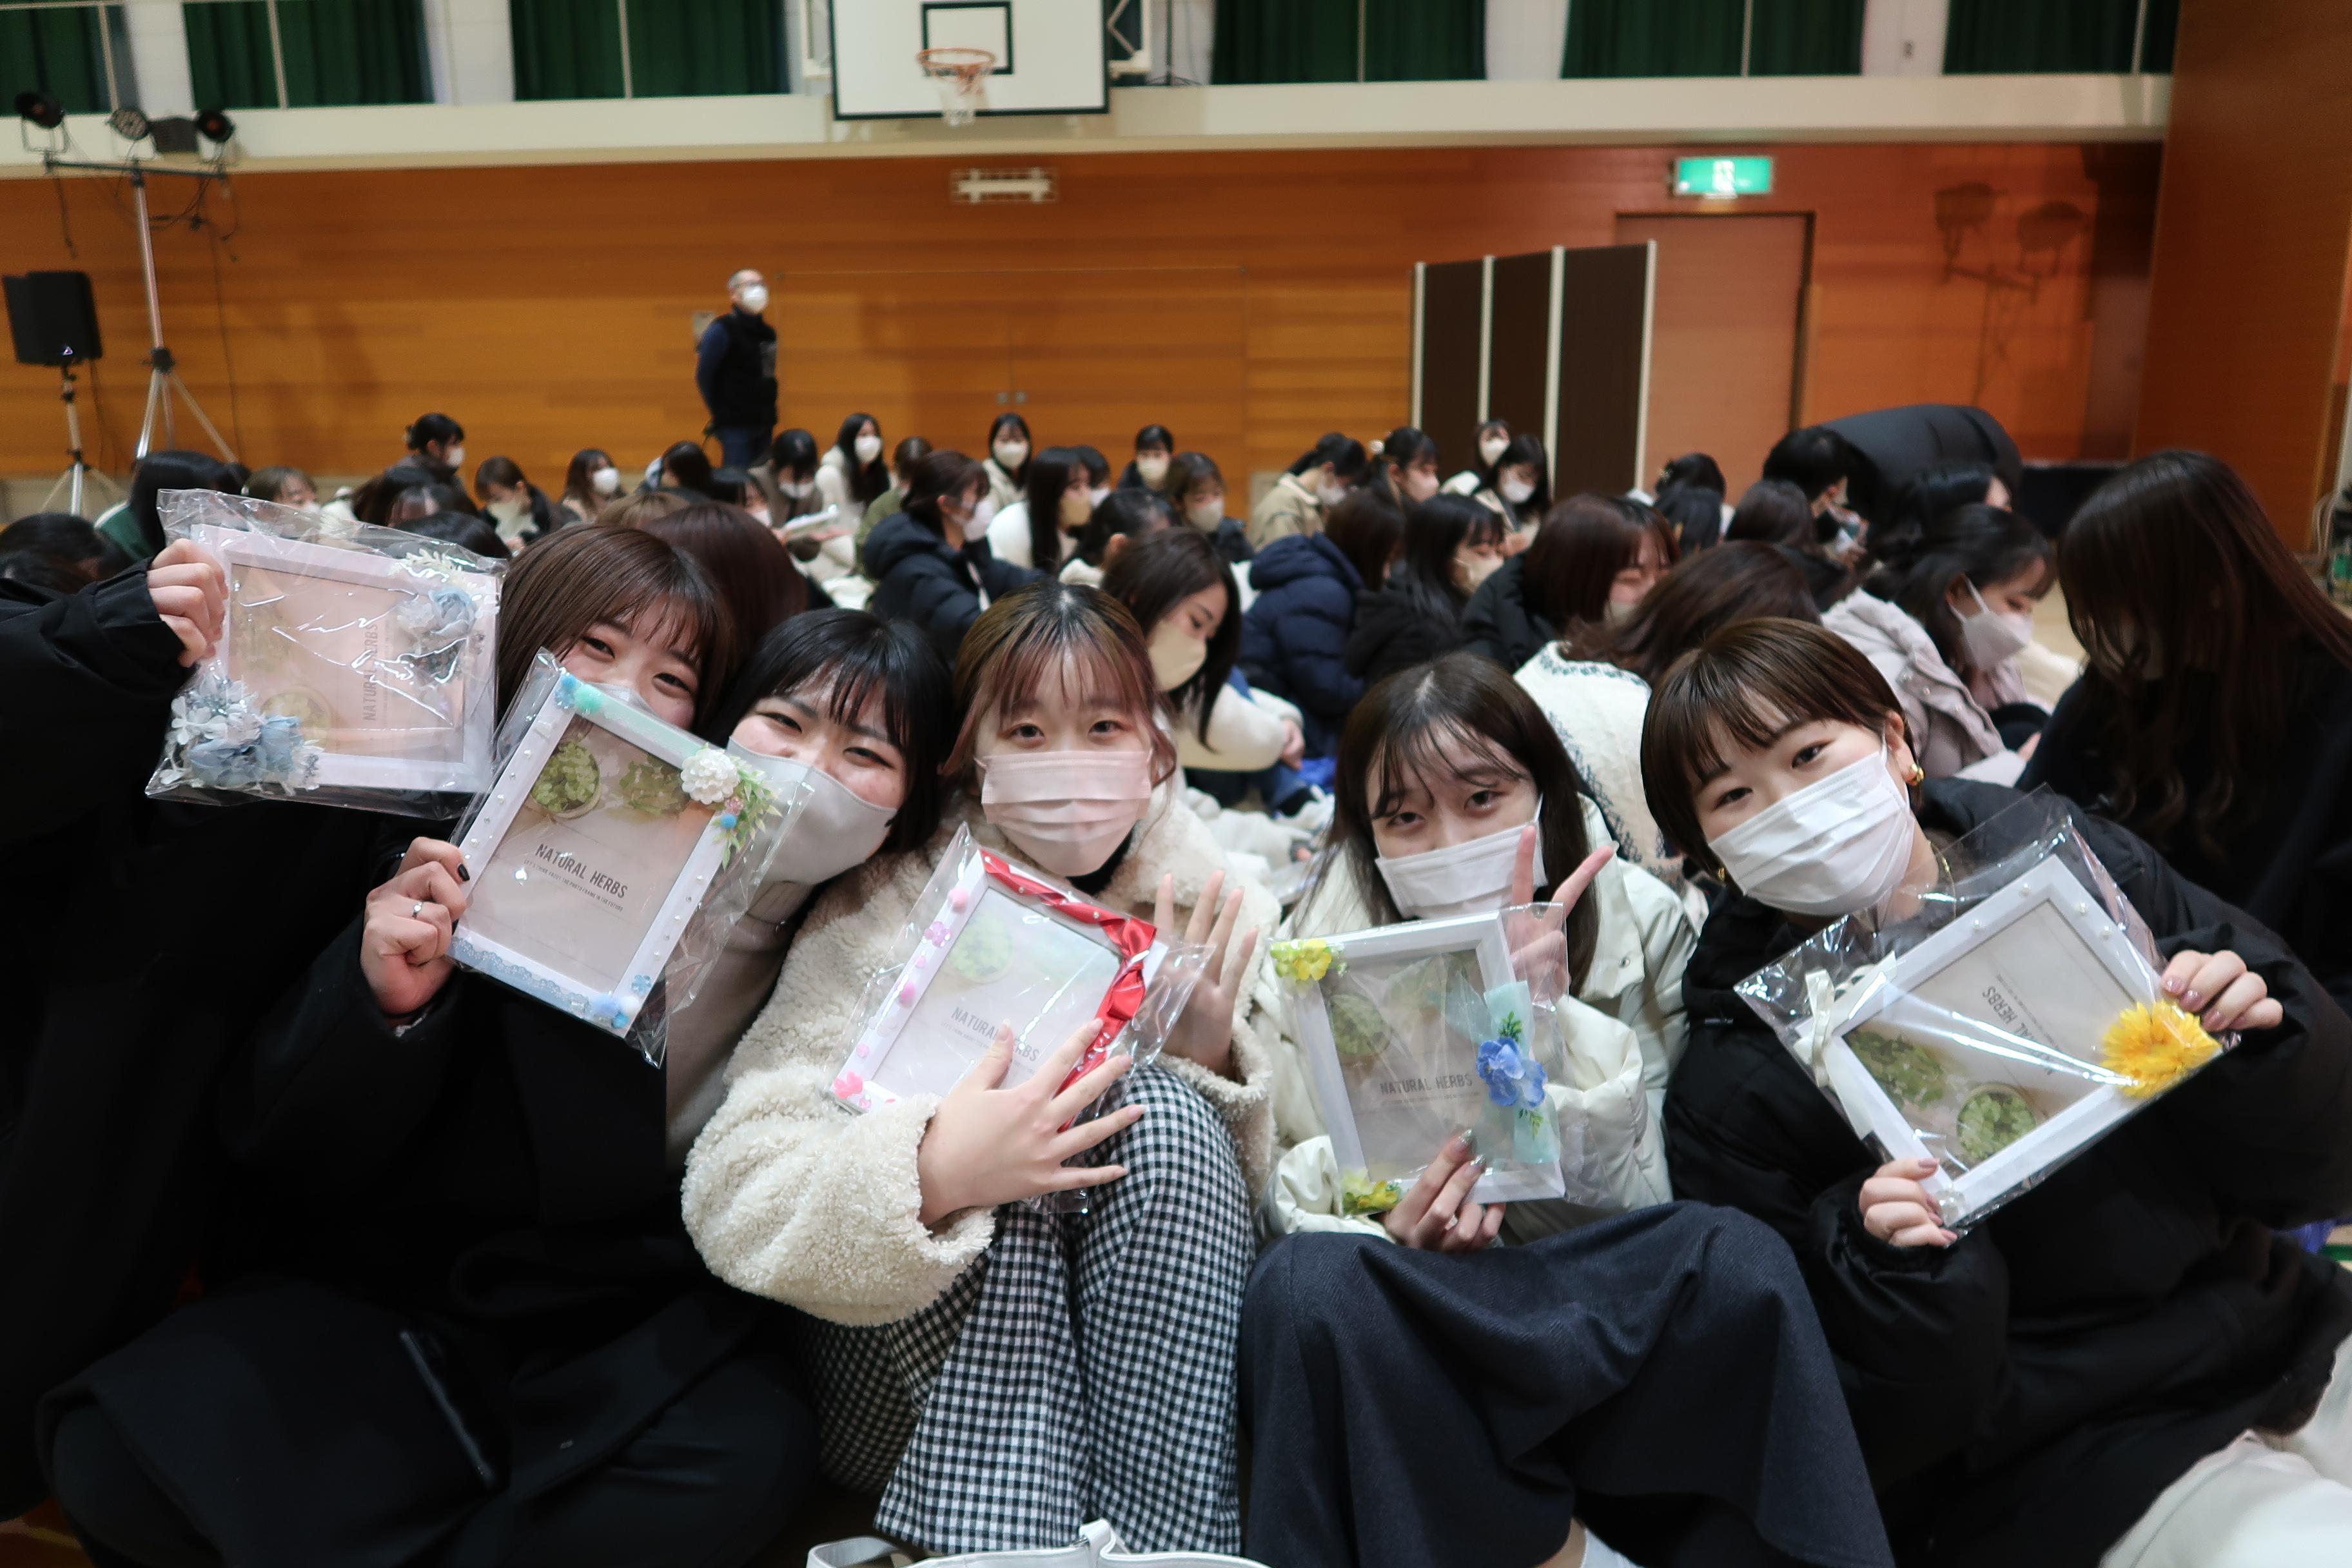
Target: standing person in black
x,y
735,369
2215,716
1452,545
2125,1366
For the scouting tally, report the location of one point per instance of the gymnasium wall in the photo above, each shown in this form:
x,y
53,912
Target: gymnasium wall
x,y
1249,300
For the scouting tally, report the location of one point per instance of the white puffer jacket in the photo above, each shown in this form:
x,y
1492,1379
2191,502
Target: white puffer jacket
x,y
792,1195
1625,1027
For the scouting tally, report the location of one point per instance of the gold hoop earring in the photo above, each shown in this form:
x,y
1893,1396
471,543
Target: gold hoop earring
x,y
1919,775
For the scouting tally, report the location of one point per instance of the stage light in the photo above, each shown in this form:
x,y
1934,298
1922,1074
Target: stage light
x,y
215,124
42,109
128,123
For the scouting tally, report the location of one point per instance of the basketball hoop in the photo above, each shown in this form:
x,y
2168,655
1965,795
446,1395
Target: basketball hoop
x,y
962,77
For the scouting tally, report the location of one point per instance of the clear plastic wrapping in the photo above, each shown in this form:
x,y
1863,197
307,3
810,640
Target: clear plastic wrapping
x,y
356,665
992,942
2000,1023
610,856
1414,1033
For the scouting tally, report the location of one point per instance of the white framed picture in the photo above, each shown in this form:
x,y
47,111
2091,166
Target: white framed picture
x,y
1402,1028
1980,1047
590,858
387,664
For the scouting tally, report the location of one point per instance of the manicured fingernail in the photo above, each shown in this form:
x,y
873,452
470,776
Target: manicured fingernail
x,y
464,874
2172,985
2191,998
2213,1018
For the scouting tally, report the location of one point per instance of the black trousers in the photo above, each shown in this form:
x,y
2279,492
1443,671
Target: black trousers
x,y
711,1481
1661,1377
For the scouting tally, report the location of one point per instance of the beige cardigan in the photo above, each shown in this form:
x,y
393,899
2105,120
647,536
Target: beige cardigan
x,y
1289,508
792,1195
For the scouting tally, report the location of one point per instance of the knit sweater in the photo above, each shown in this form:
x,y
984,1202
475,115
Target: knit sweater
x,y
792,1195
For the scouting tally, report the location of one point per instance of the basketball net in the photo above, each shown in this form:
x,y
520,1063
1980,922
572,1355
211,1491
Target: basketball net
x,y
961,77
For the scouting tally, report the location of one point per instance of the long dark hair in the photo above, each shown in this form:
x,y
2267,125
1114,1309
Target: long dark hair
x,y
1050,473
1582,544
867,480
687,467
1776,512
1692,469
579,476
1151,438
1433,532
857,657
1152,576
1130,512
1525,449
1981,543
2196,619
1369,530
1188,471
173,471
1695,514
1926,498
1741,581
946,472
1403,730
762,586
1344,453
1010,421
1401,448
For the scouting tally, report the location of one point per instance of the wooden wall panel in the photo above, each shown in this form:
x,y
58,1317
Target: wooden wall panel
x,y
1451,296
2251,244
550,308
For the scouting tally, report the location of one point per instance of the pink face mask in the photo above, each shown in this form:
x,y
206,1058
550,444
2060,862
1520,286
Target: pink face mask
x,y
1068,811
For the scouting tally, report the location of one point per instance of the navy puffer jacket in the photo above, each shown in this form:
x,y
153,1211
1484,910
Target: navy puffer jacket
x,y
1295,638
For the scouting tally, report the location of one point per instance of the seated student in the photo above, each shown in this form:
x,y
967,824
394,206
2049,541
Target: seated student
x,y
931,563
2215,719
436,443
59,552
684,466
1695,516
138,528
1774,512
465,531
1443,770
1147,470
999,1373
753,573
863,704
1946,487
1494,439
1695,470
1294,634
1055,501
1007,463
790,478
590,483
1121,519
851,473
519,509
1228,737
1318,482
1519,491
2120,1367
467,1323
910,451
1943,618
286,487
1590,562
1406,471
1596,690
1196,489
1451,546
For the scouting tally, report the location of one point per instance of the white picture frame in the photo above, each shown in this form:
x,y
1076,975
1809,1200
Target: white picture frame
x,y
1484,938
243,549
2027,925
610,997
908,1004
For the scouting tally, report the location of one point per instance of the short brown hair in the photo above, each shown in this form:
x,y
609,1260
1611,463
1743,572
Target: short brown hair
x,y
1578,549
1745,687
577,577
1704,592
636,510
752,568
1018,644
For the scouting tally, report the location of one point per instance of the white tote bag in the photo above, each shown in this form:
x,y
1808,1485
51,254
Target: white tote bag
x,y
1097,1547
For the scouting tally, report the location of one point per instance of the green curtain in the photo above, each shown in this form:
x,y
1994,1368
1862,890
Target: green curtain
x,y
1805,38
2163,21
1262,41
57,51
1654,38
2020,36
678,48
336,52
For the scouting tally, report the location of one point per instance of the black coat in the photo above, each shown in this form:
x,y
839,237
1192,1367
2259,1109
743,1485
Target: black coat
x,y
149,937
468,1230
1395,631
1898,444
1498,623
735,369
2287,852
922,578
1294,635
2024,1396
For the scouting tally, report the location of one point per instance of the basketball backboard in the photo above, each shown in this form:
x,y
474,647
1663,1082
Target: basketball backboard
x,y
1050,56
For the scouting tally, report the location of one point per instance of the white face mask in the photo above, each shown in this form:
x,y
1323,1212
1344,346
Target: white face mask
x,y
1067,811
868,448
976,525
1491,448
1096,495
1012,454
837,830
1332,492
797,488
1619,612
1466,879
456,458
1516,492
1153,467
1418,484
1477,569
758,511
605,482
1830,850
755,298
1177,655
1992,639
1205,515
510,510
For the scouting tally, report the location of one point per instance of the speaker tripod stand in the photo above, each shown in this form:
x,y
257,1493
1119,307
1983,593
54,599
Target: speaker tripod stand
x,y
76,472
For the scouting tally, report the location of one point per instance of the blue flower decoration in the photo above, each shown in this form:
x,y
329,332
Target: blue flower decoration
x,y
726,819
567,691
642,983
1512,1076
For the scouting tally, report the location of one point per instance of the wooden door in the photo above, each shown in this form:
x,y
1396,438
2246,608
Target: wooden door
x,y
1724,335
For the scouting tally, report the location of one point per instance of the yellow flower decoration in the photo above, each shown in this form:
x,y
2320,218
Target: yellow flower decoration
x,y
1360,1195
1306,962
2153,1047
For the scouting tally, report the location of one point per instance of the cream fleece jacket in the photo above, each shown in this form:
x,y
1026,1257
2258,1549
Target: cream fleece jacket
x,y
792,1195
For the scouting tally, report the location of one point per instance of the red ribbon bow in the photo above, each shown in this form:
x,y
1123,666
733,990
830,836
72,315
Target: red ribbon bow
x,y
1130,936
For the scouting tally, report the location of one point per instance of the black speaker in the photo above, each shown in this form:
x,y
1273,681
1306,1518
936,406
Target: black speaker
x,y
53,317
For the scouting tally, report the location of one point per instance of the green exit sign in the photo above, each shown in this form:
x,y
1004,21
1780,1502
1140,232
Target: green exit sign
x,y
1722,176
